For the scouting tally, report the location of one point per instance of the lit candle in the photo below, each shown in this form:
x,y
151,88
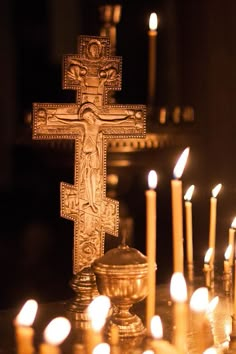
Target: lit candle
x,y
234,309
199,303
23,330
177,213
189,229
157,344
212,228
207,268
152,35
178,292
54,334
210,351
98,311
211,307
151,246
102,348
231,240
227,257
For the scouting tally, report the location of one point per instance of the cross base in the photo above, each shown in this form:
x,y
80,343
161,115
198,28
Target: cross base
x,y
84,285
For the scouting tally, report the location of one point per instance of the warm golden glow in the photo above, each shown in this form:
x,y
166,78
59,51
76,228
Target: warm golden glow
x,y
199,300
27,314
98,311
153,21
210,351
208,255
188,195
228,327
228,252
216,190
233,225
102,348
152,179
149,351
57,330
180,165
178,288
212,304
156,327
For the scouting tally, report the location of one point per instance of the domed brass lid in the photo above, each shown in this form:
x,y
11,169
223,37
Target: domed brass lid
x,y
123,258
122,255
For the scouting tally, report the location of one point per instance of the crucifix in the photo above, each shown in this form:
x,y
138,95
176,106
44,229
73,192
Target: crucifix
x,y
90,122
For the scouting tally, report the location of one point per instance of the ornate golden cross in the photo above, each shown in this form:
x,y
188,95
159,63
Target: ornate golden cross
x,y
90,122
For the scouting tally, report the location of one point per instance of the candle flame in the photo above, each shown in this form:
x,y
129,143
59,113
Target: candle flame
x,y
180,165
156,327
208,255
216,190
199,300
188,195
212,304
233,225
27,314
149,351
228,252
102,348
228,327
153,21
178,287
210,351
57,330
98,311
152,179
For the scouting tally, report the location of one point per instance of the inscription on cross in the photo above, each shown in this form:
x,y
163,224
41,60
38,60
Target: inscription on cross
x,y
91,121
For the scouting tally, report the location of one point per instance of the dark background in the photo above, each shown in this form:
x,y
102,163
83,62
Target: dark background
x,y
196,55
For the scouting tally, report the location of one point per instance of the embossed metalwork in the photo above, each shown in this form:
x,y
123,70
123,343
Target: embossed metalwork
x,y
122,276
91,122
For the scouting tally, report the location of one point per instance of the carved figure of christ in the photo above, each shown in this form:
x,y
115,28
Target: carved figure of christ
x,y
90,125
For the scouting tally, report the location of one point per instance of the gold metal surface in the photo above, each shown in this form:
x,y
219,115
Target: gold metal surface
x,y
91,121
122,276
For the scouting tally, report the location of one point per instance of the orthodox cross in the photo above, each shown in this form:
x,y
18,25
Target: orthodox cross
x,y
91,121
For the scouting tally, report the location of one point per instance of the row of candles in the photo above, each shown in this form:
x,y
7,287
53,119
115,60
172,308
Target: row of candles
x,y
59,328
199,309
177,235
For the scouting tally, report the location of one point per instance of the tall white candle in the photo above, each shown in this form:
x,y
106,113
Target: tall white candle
x,y
23,330
231,240
189,226
151,246
177,213
152,35
212,227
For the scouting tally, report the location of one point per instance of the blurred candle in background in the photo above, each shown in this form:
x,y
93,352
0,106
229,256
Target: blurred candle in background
x,y
151,246
207,267
152,36
189,230
231,240
212,227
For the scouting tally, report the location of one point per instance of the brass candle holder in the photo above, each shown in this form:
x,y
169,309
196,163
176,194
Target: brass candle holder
x,y
121,274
